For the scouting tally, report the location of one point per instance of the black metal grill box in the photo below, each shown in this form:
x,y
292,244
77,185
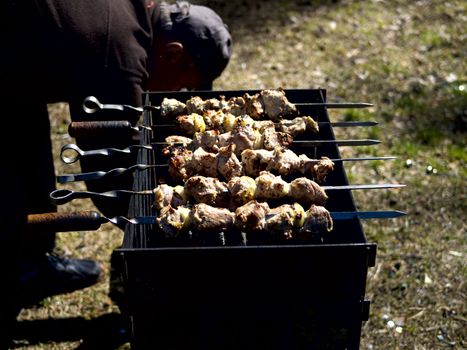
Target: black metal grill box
x,y
303,296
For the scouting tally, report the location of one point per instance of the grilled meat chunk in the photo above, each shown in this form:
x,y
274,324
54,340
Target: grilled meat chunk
x,y
318,221
203,163
191,123
269,186
179,162
178,140
242,189
173,221
255,161
304,190
208,140
171,107
276,104
318,168
197,105
208,190
282,221
251,216
228,165
165,195
298,125
205,218
272,139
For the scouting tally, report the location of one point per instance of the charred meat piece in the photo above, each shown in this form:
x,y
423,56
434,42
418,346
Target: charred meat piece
x,y
203,163
228,165
298,125
191,123
255,161
170,107
195,105
242,189
318,221
318,168
178,140
281,222
269,186
284,162
251,216
205,218
276,104
180,160
208,140
173,221
253,106
245,137
236,106
208,190
165,195
272,139
304,190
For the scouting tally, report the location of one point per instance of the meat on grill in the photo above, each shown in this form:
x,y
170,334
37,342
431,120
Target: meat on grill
x,y
240,190
183,164
171,107
224,122
251,216
207,190
285,162
317,221
206,218
282,223
242,137
173,221
271,103
284,220
165,195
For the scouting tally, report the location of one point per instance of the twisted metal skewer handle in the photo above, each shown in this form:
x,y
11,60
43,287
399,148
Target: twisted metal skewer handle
x,y
70,153
96,175
64,196
92,105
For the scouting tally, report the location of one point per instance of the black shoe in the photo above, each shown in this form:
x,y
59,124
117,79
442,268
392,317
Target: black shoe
x,y
53,275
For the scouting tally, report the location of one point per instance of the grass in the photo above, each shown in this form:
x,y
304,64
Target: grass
x,y
406,57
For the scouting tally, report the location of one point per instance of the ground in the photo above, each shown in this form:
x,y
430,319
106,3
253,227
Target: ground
x,y
408,59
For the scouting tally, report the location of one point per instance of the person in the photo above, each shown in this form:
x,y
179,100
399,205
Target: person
x,y
63,51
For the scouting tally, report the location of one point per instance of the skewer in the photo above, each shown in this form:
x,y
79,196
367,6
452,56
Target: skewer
x,y
70,153
341,124
92,105
337,215
92,220
62,196
95,175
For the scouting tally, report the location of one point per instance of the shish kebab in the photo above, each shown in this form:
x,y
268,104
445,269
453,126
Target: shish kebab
x,y
184,163
95,175
256,221
240,190
270,104
171,107
224,122
232,194
250,218
283,222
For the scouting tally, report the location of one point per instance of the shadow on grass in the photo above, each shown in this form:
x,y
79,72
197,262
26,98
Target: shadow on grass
x,y
108,331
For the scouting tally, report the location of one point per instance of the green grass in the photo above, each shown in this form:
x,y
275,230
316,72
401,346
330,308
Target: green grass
x,y
408,59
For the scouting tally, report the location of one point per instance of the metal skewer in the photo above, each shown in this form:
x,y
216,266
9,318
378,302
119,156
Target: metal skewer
x,y
63,196
95,175
71,153
92,220
92,105
341,124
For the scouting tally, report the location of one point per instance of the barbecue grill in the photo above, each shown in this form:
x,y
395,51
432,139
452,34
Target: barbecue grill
x,y
260,297
180,294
